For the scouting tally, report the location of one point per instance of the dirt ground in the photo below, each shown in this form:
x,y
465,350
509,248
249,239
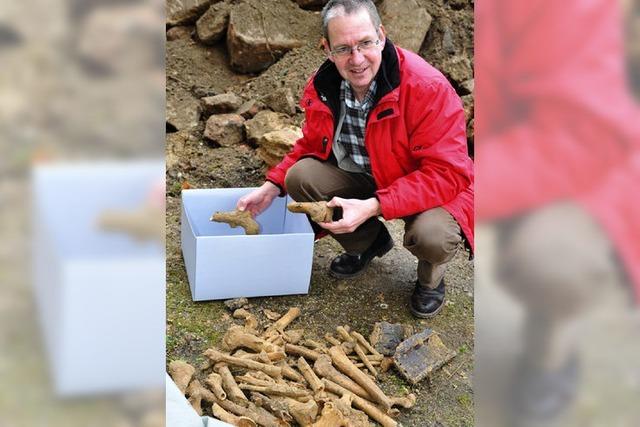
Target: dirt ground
x,y
382,293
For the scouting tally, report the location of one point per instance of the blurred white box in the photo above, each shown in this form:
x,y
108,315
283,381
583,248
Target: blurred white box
x,y
222,262
100,295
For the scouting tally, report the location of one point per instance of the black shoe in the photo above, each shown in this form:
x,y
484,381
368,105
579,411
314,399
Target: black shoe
x,y
346,265
425,302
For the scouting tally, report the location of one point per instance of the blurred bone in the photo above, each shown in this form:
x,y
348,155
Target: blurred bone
x,y
181,372
217,356
250,321
368,407
238,337
223,415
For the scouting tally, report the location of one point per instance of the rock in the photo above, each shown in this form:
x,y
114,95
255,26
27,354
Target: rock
x,y
236,303
225,129
183,110
468,85
264,122
312,4
407,23
447,41
385,337
250,108
276,144
180,32
458,68
212,26
261,31
282,101
219,104
420,355
467,103
180,12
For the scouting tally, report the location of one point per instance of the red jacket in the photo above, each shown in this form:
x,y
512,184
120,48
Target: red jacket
x,y
415,137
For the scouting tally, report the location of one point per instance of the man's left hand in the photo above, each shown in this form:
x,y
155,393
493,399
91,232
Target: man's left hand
x,y
354,213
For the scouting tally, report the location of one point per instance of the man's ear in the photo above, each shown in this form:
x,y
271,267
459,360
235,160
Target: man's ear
x,y
326,48
382,34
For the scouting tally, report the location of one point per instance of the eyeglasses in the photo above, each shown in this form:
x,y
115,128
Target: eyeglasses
x,y
363,46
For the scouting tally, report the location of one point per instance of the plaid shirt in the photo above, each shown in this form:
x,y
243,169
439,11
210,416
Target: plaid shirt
x,y
353,127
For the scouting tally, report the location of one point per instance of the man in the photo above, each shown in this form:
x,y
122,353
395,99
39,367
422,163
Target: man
x,y
384,135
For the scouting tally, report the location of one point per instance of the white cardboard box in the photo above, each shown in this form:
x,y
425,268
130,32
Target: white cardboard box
x,y
100,296
222,262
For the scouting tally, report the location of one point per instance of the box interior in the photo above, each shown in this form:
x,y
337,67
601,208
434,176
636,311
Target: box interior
x,y
201,204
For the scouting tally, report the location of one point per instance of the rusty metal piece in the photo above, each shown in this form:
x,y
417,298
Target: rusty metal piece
x,y
420,355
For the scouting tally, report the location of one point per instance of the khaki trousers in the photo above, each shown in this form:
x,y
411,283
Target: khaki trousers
x,y
432,236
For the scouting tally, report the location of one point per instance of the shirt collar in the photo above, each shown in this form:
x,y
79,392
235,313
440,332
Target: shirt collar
x,y
347,95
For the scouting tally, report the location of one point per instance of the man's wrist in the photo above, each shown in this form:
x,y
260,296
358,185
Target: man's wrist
x,y
376,209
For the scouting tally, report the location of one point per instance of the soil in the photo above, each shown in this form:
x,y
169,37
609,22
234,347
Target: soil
x,y
382,293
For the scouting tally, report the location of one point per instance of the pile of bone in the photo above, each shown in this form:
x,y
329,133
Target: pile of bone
x,y
275,377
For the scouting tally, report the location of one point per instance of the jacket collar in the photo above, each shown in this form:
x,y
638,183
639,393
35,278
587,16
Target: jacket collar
x,y
327,79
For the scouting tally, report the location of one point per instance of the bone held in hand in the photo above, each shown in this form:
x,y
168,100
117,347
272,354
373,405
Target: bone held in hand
x,y
318,211
238,218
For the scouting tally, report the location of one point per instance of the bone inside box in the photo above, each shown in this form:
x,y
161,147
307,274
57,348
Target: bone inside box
x,y
223,262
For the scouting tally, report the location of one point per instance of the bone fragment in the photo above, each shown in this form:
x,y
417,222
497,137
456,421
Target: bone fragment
x,y
259,415
238,337
301,351
144,223
223,415
290,373
324,368
331,417
303,413
197,393
263,357
317,211
181,373
237,218
229,384
250,379
314,345
331,339
360,352
293,336
279,408
365,344
276,390
310,376
407,401
214,382
284,321
368,407
345,365
344,334
250,321
217,356
271,315
386,364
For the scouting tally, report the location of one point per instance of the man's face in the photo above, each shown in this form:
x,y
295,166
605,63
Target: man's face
x,y
358,68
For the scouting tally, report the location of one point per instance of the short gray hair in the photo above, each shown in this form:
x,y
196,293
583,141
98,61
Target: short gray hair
x,y
348,7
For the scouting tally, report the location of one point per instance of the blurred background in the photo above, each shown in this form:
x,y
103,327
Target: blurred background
x,y
81,213
557,168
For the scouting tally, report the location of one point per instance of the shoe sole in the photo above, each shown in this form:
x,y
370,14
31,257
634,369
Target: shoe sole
x,y
427,315
381,252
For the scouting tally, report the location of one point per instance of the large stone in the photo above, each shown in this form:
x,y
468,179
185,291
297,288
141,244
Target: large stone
x,y
406,23
224,129
180,32
220,104
276,144
249,109
180,12
261,31
183,110
458,68
282,101
264,122
212,26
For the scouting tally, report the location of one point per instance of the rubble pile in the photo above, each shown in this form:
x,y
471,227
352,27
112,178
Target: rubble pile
x,y
273,376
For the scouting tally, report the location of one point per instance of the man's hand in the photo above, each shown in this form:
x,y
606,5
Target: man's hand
x,y
354,213
259,199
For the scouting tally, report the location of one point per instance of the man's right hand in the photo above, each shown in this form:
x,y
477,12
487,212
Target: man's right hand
x,y
259,199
